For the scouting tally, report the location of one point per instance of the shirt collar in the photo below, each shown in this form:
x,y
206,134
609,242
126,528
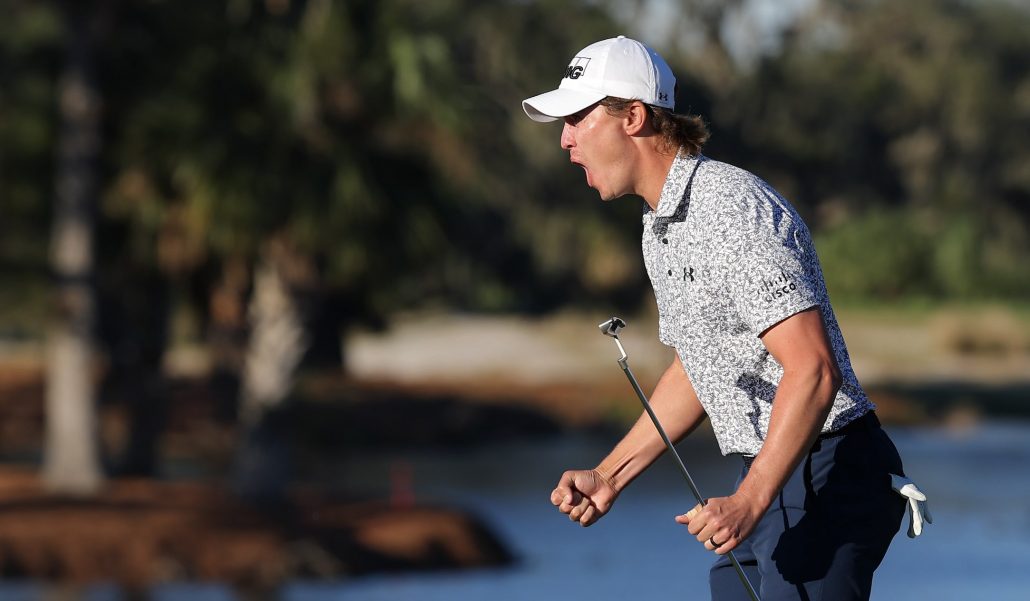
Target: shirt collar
x,y
676,183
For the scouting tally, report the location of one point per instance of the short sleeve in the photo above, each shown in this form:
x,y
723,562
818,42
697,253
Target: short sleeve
x,y
768,262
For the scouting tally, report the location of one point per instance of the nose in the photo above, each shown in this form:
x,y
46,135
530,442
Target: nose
x,y
568,137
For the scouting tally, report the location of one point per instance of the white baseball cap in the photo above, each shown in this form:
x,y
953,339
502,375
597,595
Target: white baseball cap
x,y
619,67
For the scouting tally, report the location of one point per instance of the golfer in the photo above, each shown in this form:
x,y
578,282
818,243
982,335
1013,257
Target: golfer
x,y
741,299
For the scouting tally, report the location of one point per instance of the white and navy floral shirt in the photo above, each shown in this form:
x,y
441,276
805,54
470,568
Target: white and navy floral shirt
x,y
729,258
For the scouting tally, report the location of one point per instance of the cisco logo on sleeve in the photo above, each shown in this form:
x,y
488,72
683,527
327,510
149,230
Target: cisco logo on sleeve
x,y
776,288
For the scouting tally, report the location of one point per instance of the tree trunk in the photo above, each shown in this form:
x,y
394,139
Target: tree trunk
x,y
71,461
278,341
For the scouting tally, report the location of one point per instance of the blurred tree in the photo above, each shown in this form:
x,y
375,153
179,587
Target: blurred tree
x,y
32,52
864,106
72,459
343,162
353,159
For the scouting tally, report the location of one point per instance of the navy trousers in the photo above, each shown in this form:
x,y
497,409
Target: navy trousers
x,y
829,528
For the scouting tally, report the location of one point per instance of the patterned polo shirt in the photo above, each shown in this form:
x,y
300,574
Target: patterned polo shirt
x,y
728,258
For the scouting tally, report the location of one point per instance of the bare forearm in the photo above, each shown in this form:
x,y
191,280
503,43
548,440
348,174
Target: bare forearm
x,y
802,403
678,409
803,399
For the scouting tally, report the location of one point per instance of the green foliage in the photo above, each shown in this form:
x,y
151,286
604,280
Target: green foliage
x,y
382,137
880,254
893,254
30,44
385,139
899,131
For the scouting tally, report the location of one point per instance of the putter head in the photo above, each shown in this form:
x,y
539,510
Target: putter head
x,y
612,327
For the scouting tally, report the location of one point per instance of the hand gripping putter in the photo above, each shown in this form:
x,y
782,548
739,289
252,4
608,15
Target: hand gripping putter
x,y
611,328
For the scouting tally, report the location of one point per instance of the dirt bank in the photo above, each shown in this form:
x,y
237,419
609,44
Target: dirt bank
x,y
915,364
140,532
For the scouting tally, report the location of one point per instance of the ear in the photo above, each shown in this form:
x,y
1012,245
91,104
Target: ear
x,y
636,119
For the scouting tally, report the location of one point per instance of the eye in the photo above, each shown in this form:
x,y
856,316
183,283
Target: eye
x,y
576,117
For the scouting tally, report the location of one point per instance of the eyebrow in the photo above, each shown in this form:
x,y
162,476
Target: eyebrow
x,y
581,113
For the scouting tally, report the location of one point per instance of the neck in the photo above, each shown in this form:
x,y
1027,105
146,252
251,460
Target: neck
x,y
654,169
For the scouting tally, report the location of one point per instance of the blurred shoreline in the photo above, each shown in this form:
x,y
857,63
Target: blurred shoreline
x,y
920,363
945,364
939,365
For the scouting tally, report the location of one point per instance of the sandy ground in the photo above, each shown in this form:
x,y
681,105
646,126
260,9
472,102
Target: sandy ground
x,y
569,348
520,351
562,364
563,361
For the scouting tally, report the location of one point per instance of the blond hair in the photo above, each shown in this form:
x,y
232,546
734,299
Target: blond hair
x,y
675,130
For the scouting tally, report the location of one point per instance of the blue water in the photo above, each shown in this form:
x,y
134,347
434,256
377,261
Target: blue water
x,y
977,548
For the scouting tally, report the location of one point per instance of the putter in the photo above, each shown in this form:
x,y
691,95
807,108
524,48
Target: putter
x,y
611,328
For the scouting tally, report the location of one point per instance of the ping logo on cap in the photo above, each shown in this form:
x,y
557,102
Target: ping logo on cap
x,y
576,67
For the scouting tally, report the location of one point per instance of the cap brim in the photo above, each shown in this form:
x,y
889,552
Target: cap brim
x,y
553,105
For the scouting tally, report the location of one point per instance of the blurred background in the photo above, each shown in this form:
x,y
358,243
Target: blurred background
x,y
295,303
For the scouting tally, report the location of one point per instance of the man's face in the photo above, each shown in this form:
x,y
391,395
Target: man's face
x,y
596,142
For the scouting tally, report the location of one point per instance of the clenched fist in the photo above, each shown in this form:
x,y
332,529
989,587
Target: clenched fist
x,y
584,495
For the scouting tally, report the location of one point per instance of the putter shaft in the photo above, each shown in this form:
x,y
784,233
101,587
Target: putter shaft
x,y
624,364
661,432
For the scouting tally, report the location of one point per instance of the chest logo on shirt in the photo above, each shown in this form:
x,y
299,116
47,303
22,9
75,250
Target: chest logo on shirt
x,y
776,288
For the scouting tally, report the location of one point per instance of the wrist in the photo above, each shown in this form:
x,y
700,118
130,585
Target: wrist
x,y
608,476
756,492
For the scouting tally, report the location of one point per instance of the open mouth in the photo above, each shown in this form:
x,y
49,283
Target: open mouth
x,y
586,170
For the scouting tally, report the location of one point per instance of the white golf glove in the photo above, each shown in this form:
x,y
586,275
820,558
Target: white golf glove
x,y
918,510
